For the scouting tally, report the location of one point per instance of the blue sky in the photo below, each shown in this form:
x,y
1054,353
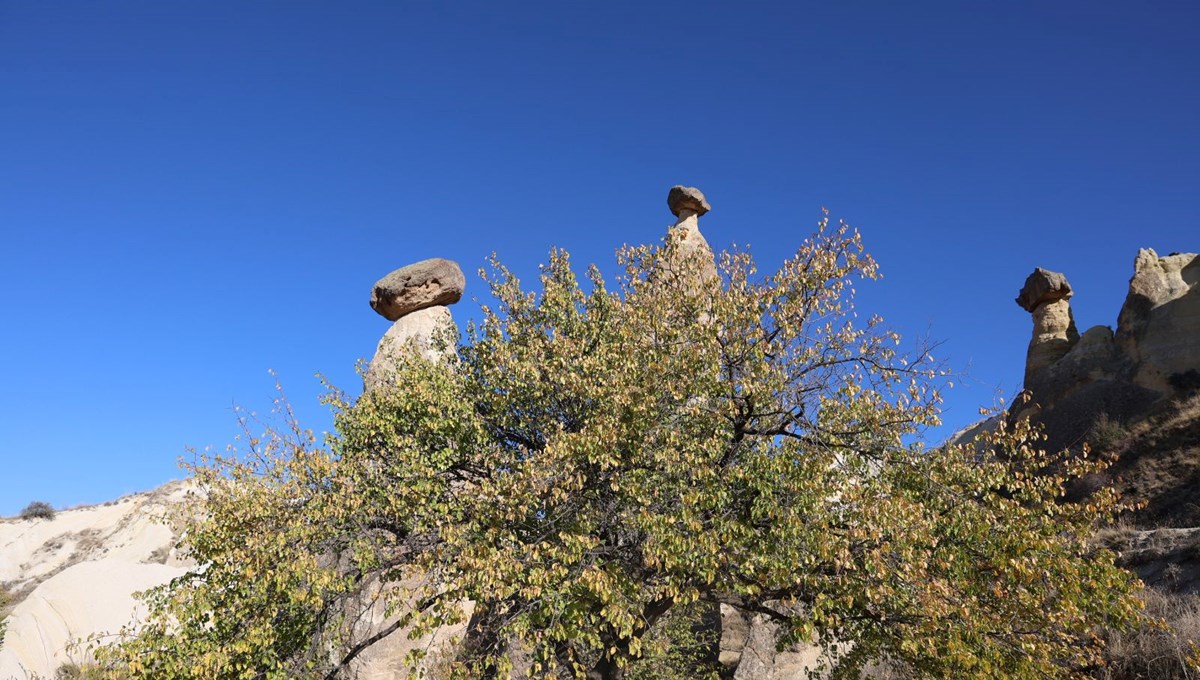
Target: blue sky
x,y
192,193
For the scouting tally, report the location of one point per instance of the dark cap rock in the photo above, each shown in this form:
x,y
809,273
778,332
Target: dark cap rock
x,y
683,198
1041,287
436,281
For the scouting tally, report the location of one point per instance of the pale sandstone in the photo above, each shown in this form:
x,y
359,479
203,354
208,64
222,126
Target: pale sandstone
x,y
78,572
421,331
1054,334
1159,325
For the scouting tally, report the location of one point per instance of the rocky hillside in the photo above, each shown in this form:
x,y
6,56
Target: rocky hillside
x,y
1152,357
1132,395
73,576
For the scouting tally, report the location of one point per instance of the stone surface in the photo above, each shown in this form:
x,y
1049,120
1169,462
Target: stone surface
x,y
694,251
683,199
387,658
78,573
735,629
1159,325
427,283
82,600
414,331
1043,286
1154,353
761,661
971,433
1054,334
1093,359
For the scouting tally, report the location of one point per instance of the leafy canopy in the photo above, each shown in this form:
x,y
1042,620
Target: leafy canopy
x,y
589,461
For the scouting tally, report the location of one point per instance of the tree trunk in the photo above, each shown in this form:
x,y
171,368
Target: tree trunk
x,y
607,669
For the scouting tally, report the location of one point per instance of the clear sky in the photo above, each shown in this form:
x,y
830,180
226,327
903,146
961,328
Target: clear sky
x,y
192,193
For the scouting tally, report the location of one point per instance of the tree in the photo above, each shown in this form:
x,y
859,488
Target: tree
x,y
593,462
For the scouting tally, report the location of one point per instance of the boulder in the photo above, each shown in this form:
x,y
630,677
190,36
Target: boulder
x,y
760,660
416,331
735,629
389,657
691,199
1043,286
428,283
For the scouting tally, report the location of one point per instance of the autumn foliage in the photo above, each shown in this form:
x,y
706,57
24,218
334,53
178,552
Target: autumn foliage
x,y
595,459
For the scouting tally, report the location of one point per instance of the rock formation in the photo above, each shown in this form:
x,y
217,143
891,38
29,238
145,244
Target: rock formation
x,y
1046,295
390,657
1154,354
414,298
74,576
435,281
688,205
1159,325
760,660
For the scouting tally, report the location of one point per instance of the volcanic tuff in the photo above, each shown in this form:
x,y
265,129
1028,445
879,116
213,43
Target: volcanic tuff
x,y
74,576
1154,354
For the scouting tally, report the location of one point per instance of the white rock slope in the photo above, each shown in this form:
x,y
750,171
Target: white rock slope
x,y
74,576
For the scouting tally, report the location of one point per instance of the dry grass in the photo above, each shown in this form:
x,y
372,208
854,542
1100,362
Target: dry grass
x,y
87,671
1164,650
1118,535
1156,462
160,555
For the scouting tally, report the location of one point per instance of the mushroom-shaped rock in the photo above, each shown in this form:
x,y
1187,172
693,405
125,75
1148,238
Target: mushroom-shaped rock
x,y
1046,297
695,255
1041,287
428,283
691,199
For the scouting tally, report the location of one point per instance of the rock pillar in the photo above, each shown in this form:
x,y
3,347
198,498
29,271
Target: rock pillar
x,y
1046,296
415,299
688,205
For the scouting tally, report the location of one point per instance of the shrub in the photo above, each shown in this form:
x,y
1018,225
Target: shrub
x,y
1187,382
38,510
74,671
1107,434
6,599
681,645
